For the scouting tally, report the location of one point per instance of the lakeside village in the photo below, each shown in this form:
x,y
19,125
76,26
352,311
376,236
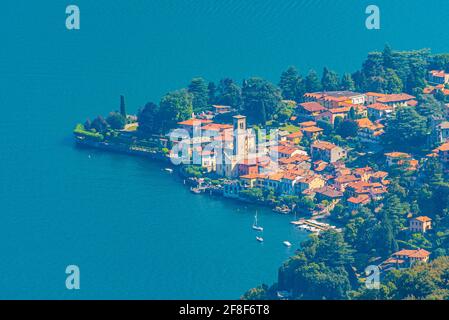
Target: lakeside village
x,y
350,157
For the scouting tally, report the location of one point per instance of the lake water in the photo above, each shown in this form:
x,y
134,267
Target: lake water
x,y
133,229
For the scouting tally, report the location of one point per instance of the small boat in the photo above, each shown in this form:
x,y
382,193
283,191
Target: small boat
x,y
169,170
255,226
282,210
195,190
260,239
287,243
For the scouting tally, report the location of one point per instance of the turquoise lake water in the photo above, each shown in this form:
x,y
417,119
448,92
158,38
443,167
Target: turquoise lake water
x,y
134,230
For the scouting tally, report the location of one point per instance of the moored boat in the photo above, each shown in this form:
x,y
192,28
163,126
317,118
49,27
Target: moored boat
x,y
255,225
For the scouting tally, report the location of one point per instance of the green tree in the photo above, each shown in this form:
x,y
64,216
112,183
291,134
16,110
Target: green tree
x,y
99,124
148,119
261,100
199,90
386,243
347,128
429,106
229,93
116,120
387,55
122,107
329,81
212,92
312,82
292,85
347,83
406,130
259,293
174,107
319,270
393,84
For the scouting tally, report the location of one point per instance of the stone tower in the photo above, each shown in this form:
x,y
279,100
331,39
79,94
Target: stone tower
x,y
240,136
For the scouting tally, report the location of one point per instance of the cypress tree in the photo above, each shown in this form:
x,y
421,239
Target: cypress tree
x,y
122,106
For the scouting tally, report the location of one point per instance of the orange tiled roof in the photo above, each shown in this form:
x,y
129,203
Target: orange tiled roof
x,y
216,127
294,135
315,95
395,98
327,191
336,99
438,73
363,198
251,176
295,158
324,145
397,155
284,149
307,124
346,179
193,122
428,90
364,123
379,107
423,219
312,129
276,176
380,174
444,147
312,106
414,103
420,253
375,94
339,110
363,170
